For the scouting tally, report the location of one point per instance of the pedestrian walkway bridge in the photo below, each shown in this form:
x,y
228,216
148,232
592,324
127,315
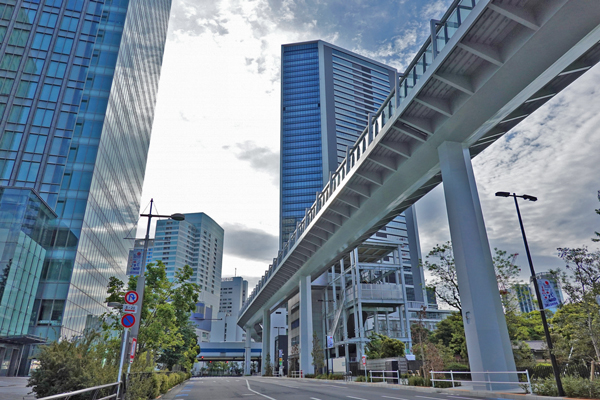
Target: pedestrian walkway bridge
x,y
486,67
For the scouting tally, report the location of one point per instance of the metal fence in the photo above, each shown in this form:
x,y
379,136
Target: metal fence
x,y
108,391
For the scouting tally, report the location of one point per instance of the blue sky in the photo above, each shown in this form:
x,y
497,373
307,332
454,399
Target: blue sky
x,y
215,142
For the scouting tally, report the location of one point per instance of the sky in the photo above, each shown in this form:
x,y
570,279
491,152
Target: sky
x,y
215,139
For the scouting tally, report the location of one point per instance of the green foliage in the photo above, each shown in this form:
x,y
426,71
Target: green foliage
x,y
451,333
317,353
381,346
574,387
360,378
268,366
579,321
165,329
525,326
523,355
74,364
445,282
456,367
418,381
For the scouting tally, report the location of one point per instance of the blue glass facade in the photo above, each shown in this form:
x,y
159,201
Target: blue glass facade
x,y
78,83
301,152
326,96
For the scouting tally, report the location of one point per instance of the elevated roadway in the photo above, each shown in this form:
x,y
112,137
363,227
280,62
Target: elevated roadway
x,y
487,66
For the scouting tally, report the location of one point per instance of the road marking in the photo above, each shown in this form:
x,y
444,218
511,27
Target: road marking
x,y
314,398
358,398
432,398
258,393
339,387
397,398
248,394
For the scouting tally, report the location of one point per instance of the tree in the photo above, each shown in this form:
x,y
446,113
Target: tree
x,y
166,333
445,283
450,332
268,366
382,346
317,353
579,321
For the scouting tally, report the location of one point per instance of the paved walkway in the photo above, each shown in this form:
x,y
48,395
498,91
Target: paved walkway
x,y
15,388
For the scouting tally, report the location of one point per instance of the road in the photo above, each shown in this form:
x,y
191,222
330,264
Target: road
x,y
228,388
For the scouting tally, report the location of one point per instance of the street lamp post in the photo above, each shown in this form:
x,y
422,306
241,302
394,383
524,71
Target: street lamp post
x,y
141,280
559,386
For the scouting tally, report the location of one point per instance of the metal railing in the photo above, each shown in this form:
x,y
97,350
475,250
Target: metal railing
x,y
488,382
441,32
296,374
394,375
94,389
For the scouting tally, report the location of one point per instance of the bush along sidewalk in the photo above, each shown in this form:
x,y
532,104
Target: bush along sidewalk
x,y
577,387
150,385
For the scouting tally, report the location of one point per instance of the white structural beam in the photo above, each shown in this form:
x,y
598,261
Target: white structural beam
x,y
248,351
488,342
266,341
306,326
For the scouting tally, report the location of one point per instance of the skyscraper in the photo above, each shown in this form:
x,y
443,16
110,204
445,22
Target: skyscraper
x,y
327,94
198,242
78,84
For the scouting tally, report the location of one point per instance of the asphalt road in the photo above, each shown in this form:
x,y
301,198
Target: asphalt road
x,y
227,388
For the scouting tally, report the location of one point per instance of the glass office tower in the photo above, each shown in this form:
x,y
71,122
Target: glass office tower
x,y
326,95
78,83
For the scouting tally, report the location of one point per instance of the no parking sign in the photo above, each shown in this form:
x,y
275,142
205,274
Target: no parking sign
x,y
128,320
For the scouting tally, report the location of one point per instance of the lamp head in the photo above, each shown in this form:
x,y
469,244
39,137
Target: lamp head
x,y
115,304
178,217
502,194
530,198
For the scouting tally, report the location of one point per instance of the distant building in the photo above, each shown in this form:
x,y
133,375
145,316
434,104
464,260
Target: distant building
x,y
234,292
198,242
522,296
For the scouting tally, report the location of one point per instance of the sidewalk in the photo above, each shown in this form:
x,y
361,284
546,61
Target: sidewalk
x,y
460,391
15,388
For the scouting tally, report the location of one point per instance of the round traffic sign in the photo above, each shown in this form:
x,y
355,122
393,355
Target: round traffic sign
x,y
128,320
131,297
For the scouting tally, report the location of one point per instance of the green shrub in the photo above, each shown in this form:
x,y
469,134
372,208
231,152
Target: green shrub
x,y
360,378
309,375
456,367
336,377
419,381
573,386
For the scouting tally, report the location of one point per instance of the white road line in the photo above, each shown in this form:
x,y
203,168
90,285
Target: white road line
x,y
339,387
396,398
314,398
260,394
358,398
248,394
432,398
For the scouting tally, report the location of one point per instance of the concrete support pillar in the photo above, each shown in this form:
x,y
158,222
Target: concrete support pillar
x,y
266,355
248,350
485,326
306,326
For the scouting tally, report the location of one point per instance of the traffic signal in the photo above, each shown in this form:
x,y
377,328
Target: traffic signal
x,y
202,357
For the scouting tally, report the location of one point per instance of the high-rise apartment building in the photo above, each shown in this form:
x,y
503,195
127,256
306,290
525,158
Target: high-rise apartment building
x,y
198,242
521,295
234,292
78,84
